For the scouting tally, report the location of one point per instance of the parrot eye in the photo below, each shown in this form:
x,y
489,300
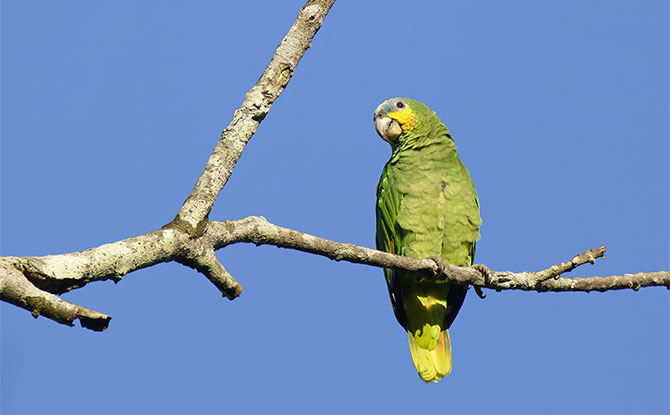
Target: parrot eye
x,y
399,104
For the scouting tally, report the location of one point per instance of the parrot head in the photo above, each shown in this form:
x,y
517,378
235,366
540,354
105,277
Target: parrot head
x,y
399,116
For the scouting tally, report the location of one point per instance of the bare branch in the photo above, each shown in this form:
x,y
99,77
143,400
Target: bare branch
x,y
25,281
30,281
61,273
192,217
191,239
259,231
554,271
200,256
17,290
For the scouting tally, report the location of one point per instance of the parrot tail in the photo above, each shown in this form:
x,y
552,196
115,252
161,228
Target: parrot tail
x,y
435,364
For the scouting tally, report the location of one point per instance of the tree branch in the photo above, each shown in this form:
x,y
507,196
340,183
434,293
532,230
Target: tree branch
x,y
259,231
17,290
30,282
192,217
200,256
191,239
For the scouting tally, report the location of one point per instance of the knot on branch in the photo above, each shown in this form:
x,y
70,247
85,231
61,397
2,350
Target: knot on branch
x,y
182,225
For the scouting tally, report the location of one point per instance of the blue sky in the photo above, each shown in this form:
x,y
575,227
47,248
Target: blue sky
x,y
560,111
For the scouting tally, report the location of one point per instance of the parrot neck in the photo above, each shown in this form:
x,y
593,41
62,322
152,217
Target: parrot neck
x,y
429,136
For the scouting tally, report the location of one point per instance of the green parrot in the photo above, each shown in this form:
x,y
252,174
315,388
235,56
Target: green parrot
x,y
426,206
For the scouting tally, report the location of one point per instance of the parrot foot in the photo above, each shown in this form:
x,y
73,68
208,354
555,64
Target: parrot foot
x,y
441,266
488,276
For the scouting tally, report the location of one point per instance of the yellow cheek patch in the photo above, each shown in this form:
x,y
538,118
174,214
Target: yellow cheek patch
x,y
406,118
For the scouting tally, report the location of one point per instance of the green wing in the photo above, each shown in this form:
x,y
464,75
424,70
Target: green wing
x,y
388,233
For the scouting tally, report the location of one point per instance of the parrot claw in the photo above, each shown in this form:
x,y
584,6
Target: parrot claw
x,y
441,266
488,276
479,292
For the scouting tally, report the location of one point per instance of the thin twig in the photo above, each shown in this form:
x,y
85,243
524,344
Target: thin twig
x,y
555,271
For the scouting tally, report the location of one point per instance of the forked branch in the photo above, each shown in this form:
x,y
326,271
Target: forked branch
x,y
20,277
30,282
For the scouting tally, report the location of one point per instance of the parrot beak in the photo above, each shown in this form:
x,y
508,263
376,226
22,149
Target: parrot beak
x,y
387,128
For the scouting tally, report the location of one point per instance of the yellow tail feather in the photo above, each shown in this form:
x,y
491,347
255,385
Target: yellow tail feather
x,y
435,364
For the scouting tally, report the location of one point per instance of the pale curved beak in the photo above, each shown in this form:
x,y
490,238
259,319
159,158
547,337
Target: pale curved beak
x,y
388,128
